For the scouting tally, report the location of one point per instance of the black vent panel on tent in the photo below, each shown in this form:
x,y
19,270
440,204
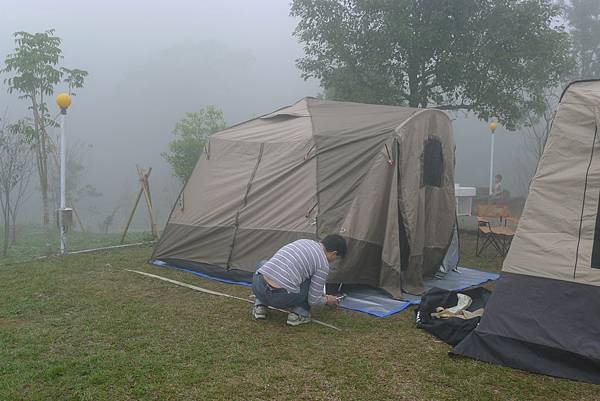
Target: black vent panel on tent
x,y
596,248
432,163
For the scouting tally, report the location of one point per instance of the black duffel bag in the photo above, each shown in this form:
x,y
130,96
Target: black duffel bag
x,y
453,329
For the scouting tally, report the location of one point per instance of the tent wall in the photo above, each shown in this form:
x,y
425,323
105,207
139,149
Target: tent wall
x,y
551,330
541,316
557,228
358,197
202,224
276,212
214,221
427,211
360,213
315,168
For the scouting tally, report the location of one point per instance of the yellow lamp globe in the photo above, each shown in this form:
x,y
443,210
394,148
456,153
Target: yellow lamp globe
x,y
63,100
493,126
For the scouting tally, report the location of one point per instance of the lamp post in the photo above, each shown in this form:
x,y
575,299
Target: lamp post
x,y
492,126
63,100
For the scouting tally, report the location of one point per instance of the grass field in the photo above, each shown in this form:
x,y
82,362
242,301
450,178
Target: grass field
x,y
84,328
31,242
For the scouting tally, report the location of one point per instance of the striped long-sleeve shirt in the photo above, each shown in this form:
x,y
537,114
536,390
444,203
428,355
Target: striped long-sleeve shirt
x,y
297,262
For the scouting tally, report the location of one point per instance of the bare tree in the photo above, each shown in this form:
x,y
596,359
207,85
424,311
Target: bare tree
x,y
21,194
109,220
539,126
15,173
533,139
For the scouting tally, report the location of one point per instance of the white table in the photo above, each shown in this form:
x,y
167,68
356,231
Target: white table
x,y
464,199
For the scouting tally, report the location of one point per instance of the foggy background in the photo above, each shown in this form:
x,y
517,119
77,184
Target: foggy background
x,y
151,61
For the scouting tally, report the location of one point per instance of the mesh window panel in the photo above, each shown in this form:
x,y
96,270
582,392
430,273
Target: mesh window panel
x,y
433,163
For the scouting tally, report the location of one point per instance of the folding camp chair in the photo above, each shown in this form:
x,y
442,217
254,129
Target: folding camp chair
x,y
495,228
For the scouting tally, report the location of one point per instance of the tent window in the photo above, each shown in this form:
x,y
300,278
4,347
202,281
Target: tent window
x,y
432,163
180,201
596,247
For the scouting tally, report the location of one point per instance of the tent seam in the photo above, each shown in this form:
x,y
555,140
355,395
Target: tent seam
x,y
583,202
244,203
313,136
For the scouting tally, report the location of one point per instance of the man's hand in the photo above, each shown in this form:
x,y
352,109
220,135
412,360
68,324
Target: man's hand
x,y
331,300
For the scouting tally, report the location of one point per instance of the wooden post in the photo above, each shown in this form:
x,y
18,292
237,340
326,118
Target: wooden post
x,y
153,227
144,189
137,200
78,220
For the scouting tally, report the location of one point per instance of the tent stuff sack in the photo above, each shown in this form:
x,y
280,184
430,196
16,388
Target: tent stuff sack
x,y
451,315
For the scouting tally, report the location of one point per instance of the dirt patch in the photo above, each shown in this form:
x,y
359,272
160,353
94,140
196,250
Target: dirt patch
x,y
11,322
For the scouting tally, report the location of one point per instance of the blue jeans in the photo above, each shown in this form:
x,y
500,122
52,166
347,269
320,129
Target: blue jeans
x,y
279,297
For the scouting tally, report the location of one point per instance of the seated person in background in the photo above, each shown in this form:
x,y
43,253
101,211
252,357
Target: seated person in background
x,y
497,194
294,278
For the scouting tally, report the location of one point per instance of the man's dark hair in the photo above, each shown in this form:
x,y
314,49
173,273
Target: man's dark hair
x,y
499,177
337,243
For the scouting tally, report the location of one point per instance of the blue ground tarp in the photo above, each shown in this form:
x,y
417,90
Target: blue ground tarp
x,y
376,302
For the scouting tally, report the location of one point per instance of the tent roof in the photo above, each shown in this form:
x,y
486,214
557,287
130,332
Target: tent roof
x,y
311,116
557,230
582,92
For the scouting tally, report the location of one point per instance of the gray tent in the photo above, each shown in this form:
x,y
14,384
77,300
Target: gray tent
x,y
543,314
381,176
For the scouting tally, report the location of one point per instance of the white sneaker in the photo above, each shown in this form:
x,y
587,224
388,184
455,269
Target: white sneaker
x,y
295,319
259,312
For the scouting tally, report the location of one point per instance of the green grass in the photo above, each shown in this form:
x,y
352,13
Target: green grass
x,y
31,242
84,328
488,260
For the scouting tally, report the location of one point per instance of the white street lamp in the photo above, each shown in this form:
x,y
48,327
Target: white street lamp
x,y
492,126
63,100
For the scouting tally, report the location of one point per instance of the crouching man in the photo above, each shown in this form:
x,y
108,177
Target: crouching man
x,y
294,278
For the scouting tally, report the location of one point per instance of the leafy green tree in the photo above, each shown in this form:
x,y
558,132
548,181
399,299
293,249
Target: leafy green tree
x,y
34,74
584,21
491,57
192,133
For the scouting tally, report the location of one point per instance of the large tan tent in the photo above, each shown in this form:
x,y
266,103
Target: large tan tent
x,y
543,314
381,176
